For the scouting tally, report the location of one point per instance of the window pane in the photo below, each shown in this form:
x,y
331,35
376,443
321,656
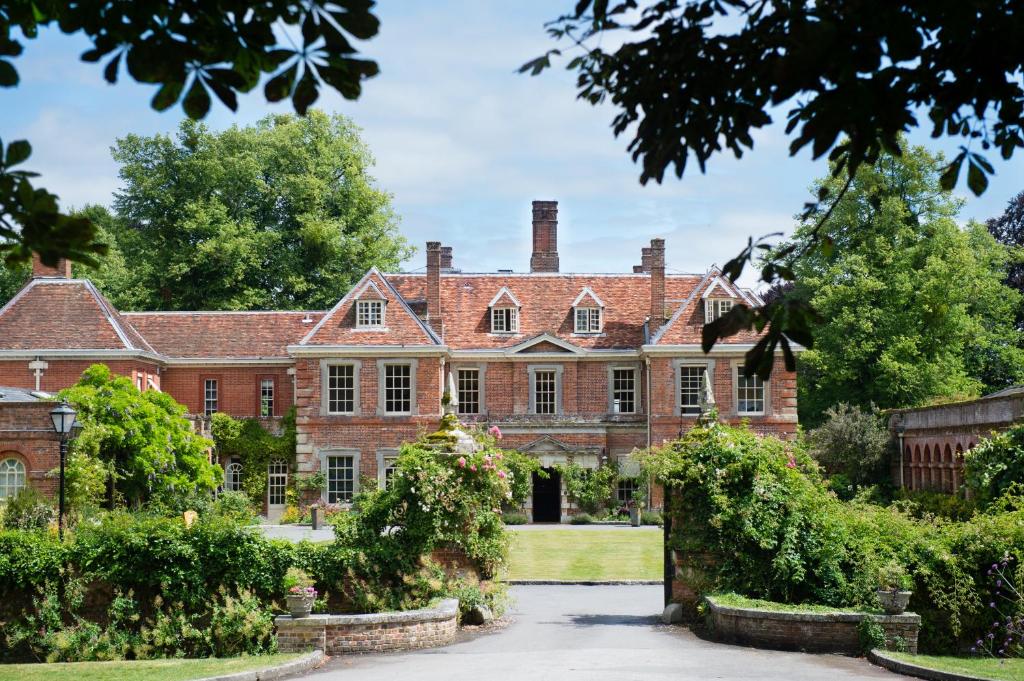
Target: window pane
x,y
277,482
370,313
233,476
341,389
389,470
267,397
12,478
691,381
544,392
341,477
210,396
625,489
397,388
469,391
504,320
716,308
749,395
623,391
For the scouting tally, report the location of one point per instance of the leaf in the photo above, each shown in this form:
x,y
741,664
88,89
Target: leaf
x,y
305,92
197,100
166,96
280,86
976,178
949,176
110,72
8,74
17,152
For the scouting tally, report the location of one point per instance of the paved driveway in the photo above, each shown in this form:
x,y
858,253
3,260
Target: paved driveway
x,y
608,633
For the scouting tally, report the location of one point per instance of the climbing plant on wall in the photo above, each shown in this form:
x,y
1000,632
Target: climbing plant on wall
x,y
255,447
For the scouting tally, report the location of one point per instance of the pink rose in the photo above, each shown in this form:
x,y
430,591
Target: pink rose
x,y
501,474
472,467
498,456
791,463
462,462
495,431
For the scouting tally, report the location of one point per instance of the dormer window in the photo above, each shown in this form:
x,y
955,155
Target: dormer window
x,y
369,314
714,308
504,320
588,320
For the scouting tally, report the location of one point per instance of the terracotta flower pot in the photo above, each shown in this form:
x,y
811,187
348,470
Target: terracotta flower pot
x,y
300,605
893,602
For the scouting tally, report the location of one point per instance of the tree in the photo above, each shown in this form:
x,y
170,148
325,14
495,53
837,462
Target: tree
x,y
148,446
852,442
279,215
698,77
912,306
1008,229
189,49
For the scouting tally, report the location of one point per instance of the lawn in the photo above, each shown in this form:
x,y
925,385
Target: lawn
x,y
981,667
623,553
150,670
730,600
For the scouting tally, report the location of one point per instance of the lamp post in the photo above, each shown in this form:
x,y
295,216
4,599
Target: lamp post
x,y
63,417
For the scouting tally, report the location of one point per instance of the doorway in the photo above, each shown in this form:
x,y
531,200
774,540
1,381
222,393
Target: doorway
x,y
277,486
547,496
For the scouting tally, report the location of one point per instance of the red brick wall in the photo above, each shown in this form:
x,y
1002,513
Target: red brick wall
x,y
63,373
238,388
26,432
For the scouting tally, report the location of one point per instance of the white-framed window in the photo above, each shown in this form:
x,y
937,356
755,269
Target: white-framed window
x,y
369,314
233,476
715,308
468,383
341,388
140,382
623,389
691,387
545,391
210,395
266,397
504,320
625,489
341,478
12,477
397,388
750,394
277,482
389,471
588,320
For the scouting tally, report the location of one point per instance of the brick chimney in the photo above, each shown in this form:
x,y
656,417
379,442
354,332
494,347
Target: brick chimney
x,y
645,259
62,268
545,237
657,284
446,258
638,269
434,284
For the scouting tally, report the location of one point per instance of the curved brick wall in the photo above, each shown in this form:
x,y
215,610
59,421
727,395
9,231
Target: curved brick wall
x,y
811,632
373,633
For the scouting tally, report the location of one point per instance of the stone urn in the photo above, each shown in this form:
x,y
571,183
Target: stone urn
x,y
634,516
300,605
893,601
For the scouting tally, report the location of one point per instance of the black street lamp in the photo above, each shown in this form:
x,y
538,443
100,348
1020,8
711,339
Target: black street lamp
x,y
63,417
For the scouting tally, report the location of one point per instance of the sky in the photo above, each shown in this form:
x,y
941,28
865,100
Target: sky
x,y
465,143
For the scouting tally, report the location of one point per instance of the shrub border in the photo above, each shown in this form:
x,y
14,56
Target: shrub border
x,y
879,658
304,663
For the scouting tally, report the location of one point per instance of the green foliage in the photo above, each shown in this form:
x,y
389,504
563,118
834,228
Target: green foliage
x,y
996,464
592,489
929,503
236,507
85,474
912,306
521,468
852,442
143,439
515,518
255,447
279,215
871,635
651,518
190,53
28,510
296,578
581,519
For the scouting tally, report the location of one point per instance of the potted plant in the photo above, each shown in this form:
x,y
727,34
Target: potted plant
x,y
894,588
299,592
634,513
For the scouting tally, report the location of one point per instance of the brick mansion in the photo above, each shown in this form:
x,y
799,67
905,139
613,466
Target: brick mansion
x,y
580,367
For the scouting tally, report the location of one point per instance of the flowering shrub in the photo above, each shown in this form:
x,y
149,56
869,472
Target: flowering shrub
x,y
1005,637
996,464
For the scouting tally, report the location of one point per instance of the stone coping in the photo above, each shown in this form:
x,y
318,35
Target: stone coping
x,y
797,616
908,668
445,610
304,663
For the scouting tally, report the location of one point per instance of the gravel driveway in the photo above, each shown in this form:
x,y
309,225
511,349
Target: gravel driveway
x,y
608,633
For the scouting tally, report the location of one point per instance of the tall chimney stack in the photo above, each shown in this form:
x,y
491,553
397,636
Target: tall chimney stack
x,y
446,258
62,269
545,237
645,259
657,284
434,284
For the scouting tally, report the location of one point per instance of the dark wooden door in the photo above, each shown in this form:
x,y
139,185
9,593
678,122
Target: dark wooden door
x,y
547,497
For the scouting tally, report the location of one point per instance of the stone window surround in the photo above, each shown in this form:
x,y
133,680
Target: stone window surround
x,y
21,460
481,368
737,367
637,403
218,379
532,370
325,382
326,452
513,320
382,456
413,364
275,401
360,316
677,364
711,303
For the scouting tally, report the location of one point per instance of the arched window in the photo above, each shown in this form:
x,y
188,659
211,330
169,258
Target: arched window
x,y
12,477
233,476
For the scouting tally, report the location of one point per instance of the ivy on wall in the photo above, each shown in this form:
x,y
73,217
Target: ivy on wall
x,y
255,447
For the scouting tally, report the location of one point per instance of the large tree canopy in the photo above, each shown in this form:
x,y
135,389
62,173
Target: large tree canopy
x,y
279,215
698,77
189,49
1008,229
912,307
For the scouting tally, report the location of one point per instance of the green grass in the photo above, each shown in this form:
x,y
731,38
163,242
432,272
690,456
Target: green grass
x,y
150,670
737,601
981,667
586,554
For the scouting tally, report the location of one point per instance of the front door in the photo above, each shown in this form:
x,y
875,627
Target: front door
x,y
547,497
277,486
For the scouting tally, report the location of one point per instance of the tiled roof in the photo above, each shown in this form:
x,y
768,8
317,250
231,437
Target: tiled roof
x,y
546,301
686,323
70,314
223,334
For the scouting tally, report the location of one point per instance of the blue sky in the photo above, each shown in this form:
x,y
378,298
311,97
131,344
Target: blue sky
x,y
464,143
